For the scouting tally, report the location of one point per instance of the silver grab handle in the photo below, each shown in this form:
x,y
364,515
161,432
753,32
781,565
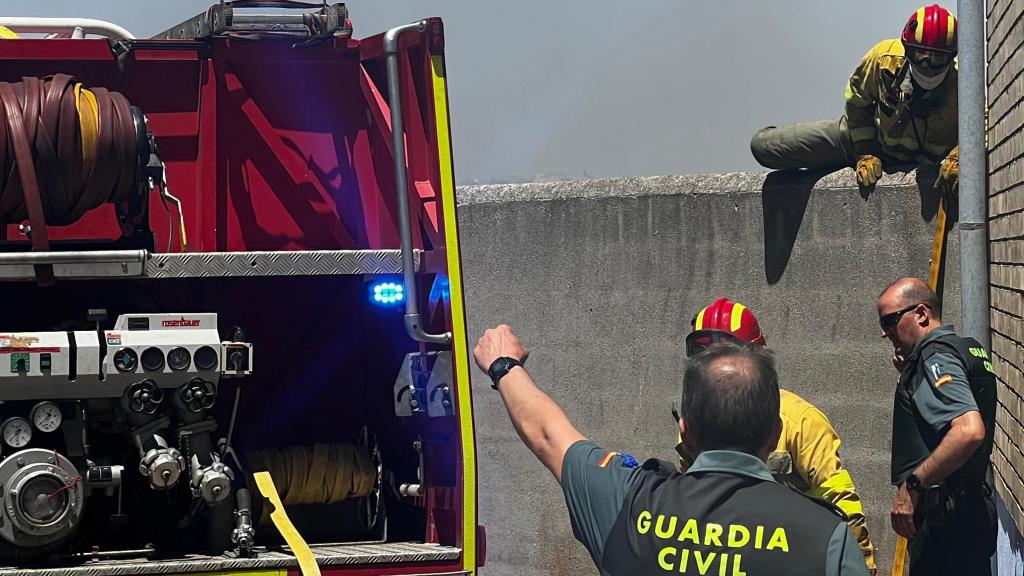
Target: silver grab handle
x,y
72,257
413,326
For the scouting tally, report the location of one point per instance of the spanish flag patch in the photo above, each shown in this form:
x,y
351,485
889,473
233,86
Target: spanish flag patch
x,y
607,458
943,380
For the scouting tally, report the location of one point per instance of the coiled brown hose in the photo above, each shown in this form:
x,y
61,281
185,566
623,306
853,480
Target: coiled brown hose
x,y
325,474
64,150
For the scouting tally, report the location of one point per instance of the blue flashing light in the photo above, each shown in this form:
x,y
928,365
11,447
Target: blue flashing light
x,y
388,293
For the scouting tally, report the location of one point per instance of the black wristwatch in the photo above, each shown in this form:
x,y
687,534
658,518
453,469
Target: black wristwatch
x,y
914,483
500,367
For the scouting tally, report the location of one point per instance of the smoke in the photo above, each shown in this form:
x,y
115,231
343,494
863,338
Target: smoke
x,y
554,90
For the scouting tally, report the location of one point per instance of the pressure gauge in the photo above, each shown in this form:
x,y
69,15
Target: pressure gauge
x,y
179,359
16,432
125,360
46,417
153,359
205,358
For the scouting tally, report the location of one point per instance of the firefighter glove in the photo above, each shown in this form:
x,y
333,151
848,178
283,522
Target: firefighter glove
x,y
949,173
869,170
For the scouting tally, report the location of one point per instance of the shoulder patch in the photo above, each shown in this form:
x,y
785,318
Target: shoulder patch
x,y
945,379
606,459
625,460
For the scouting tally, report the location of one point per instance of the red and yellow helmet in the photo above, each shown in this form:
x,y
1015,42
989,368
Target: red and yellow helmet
x,y
723,320
931,28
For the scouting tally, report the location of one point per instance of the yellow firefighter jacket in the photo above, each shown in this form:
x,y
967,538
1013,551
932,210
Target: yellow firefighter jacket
x,y
889,116
807,458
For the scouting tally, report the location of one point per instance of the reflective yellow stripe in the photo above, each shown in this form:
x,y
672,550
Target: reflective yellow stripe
x,y
307,562
853,98
906,141
910,144
7,33
840,484
950,23
865,133
919,33
850,508
460,353
699,324
737,317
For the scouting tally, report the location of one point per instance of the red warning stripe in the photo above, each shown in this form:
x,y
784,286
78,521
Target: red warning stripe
x,y
23,349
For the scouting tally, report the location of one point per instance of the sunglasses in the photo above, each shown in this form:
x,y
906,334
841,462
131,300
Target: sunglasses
x,y
929,58
890,320
698,340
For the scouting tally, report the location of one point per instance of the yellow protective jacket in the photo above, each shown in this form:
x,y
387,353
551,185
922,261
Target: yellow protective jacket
x,y
881,101
807,458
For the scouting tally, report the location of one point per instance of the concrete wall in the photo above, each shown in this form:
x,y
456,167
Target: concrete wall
x,y
601,278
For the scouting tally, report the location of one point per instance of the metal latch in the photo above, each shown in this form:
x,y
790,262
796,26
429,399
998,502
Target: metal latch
x,y
425,385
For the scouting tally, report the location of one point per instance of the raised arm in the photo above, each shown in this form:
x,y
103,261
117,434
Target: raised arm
x,y
539,421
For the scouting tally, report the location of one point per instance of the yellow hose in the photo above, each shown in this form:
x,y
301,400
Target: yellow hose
x,y
325,474
88,121
900,557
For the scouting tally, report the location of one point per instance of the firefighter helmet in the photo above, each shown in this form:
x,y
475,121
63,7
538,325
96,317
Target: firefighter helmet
x,y
723,320
931,28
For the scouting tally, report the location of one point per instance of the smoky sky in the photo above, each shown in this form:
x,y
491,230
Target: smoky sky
x,y
542,90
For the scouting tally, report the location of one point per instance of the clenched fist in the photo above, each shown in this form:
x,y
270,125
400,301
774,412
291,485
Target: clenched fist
x,y
497,343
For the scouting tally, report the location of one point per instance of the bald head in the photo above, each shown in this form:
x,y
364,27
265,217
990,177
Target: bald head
x,y
908,291
731,398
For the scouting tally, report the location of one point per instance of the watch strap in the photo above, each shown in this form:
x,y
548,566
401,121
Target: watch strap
x,y
500,367
914,484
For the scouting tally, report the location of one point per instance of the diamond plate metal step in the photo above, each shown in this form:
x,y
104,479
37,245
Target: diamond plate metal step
x,y
140,264
327,555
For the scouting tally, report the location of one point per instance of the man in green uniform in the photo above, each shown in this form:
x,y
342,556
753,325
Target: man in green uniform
x,y
943,424
726,515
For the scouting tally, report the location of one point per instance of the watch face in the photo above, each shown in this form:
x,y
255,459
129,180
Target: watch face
x,y
499,368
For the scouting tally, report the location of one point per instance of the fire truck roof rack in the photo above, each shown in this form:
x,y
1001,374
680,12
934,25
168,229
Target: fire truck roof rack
x,y
222,20
90,264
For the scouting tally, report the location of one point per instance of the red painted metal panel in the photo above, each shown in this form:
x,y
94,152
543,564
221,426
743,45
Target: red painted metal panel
x,y
269,147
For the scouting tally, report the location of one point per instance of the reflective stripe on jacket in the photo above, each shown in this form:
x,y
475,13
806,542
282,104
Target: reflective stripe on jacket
x,y
881,100
807,458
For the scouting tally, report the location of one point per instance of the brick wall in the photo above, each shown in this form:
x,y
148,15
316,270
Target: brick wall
x,y
1005,31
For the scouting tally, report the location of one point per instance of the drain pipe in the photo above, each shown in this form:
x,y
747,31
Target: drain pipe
x,y
974,259
413,325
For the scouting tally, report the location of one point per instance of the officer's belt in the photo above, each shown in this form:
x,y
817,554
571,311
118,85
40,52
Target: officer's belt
x,y
963,490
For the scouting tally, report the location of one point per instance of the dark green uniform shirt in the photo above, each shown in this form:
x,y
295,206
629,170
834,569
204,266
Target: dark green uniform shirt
x,y
940,395
596,481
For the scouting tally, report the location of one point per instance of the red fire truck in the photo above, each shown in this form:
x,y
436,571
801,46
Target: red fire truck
x,y
233,337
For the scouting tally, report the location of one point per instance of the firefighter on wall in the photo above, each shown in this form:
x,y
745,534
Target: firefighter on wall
x,y
807,454
901,111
